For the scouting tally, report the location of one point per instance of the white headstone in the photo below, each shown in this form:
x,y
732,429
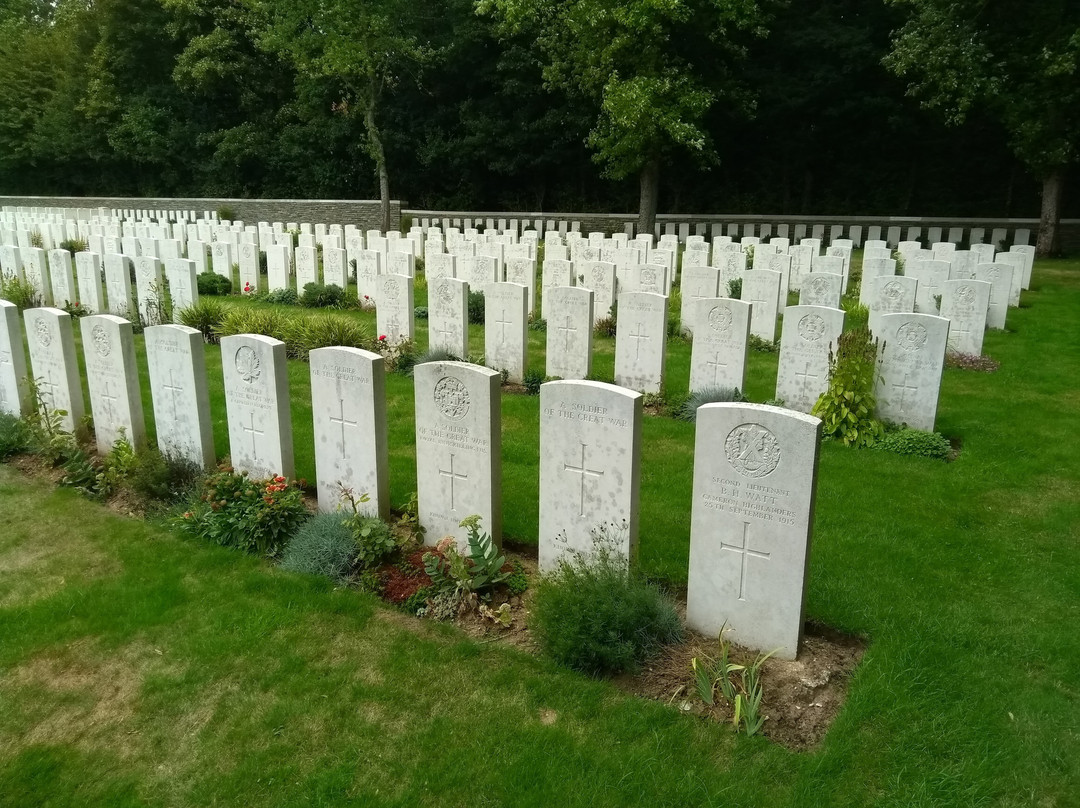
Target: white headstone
x,y
522,271
248,258
506,323
222,256
348,404
175,355
335,270
640,341
36,272
755,475
277,267
698,282
55,368
64,292
821,289
999,276
13,388
10,261
931,276
118,270
448,316
590,458
718,354
440,265
394,313
761,287
257,405
910,366
183,284
965,304
569,332
115,395
458,449
809,335
88,281
150,290
873,268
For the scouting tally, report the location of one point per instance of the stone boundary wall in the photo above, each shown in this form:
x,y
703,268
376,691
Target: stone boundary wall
x,y
364,213
741,224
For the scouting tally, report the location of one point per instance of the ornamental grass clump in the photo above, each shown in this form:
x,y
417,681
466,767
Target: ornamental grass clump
x,y
846,408
324,545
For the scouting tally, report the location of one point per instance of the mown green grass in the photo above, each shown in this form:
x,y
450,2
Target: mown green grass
x,y
139,668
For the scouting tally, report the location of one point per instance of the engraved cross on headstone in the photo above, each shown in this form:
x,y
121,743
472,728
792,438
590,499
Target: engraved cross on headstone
x,y
904,389
174,391
806,374
637,336
745,551
251,430
342,421
110,402
716,364
582,471
503,323
567,331
453,475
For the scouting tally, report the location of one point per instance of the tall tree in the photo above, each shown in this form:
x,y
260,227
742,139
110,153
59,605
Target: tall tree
x,y
1018,60
651,70
363,48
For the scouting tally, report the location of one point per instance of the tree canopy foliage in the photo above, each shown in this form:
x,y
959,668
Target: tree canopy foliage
x,y
738,105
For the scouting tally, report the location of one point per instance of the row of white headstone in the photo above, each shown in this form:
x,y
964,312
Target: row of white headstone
x,y
754,475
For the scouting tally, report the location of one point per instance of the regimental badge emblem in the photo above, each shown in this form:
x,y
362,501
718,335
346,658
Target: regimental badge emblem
x,y
819,285
247,364
965,296
391,289
445,294
752,450
44,333
101,340
911,336
452,398
720,319
893,291
811,327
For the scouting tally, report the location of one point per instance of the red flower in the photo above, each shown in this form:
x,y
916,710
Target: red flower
x,y
279,479
382,337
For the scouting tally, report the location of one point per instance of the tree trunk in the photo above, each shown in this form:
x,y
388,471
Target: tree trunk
x,y
650,193
379,154
1053,185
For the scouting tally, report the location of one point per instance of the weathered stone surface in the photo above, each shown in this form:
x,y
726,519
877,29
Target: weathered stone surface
x,y
640,341
761,287
348,405
458,449
569,332
698,282
590,459
50,339
506,324
912,357
965,303
718,355
394,311
999,276
809,334
755,475
176,359
822,289
257,405
448,316
13,388
113,377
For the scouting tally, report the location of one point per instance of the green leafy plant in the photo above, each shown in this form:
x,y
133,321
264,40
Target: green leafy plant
x,y
286,296
916,443
457,578
591,615
226,213
323,545
164,477
434,355
857,315
539,324
739,685
15,437
476,307
846,408
36,239
251,515
734,287
207,316
20,292
408,520
318,296
756,343
420,312
687,411
518,581
532,381
210,283
48,438
605,327
74,245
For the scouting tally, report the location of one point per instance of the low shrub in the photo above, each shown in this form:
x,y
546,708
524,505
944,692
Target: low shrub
x,y
539,324
74,245
846,408
20,292
605,327
246,320
286,296
591,615
532,381
420,313
306,333
164,477
756,343
476,307
318,296
207,316
687,411
226,214
323,545
434,355
15,435
372,538
735,288
857,315
210,283
916,443
251,515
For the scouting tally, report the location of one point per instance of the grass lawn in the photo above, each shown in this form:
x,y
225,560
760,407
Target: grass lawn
x,y
140,668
